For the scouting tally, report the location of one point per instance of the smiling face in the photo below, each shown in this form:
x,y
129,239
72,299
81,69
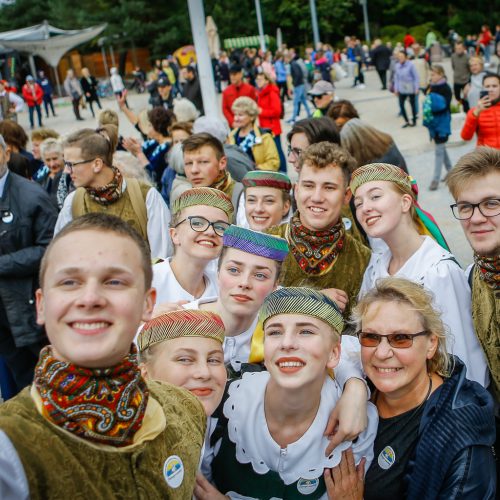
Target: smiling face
x,y
265,207
205,245
245,280
396,372
194,363
242,120
380,208
482,232
93,298
202,167
299,349
320,194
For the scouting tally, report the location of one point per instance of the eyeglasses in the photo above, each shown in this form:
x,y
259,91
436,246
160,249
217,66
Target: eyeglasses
x,y
397,340
296,151
465,211
200,224
69,164
318,96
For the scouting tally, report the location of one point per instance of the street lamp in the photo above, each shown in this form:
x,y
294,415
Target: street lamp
x,y
314,20
364,3
260,25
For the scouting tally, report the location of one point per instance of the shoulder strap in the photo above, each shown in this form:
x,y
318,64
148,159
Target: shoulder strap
x,y
138,204
78,206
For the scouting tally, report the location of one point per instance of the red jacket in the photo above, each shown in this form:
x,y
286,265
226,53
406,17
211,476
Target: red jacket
x,y
486,125
270,104
32,96
231,93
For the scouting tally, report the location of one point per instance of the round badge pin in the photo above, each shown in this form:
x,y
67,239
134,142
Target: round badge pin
x,y
347,223
173,471
386,458
307,486
7,217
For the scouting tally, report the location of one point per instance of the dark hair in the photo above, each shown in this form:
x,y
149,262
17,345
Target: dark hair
x,y
197,141
326,154
489,74
19,164
316,130
107,224
161,119
98,143
13,134
342,109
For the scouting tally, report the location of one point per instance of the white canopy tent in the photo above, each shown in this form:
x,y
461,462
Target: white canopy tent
x,y
48,42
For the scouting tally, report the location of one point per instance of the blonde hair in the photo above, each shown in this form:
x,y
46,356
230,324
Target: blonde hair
x,y
437,68
479,59
130,166
108,117
403,291
245,105
267,76
49,145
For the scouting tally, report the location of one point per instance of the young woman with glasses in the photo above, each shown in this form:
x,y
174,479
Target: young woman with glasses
x,y
387,209
436,428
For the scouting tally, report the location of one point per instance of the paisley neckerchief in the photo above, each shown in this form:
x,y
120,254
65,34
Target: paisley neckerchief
x,y
105,405
315,251
108,194
223,182
489,270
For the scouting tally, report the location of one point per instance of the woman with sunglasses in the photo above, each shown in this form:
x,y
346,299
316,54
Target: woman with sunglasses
x,y
436,428
387,209
199,218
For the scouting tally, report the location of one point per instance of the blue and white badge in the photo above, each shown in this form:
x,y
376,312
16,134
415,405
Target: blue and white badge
x,y
347,223
7,217
307,486
173,471
386,458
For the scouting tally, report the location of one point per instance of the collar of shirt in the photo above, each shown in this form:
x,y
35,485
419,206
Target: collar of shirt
x,y
3,180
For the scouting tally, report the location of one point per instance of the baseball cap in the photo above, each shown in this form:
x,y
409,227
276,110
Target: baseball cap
x,y
29,78
322,87
163,82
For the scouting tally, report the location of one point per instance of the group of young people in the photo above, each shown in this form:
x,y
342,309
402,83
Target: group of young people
x,y
262,338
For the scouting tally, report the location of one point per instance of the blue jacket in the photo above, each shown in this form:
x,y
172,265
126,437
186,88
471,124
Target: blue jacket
x,y
453,457
279,67
46,86
437,116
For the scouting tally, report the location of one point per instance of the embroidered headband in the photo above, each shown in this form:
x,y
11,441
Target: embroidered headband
x,y
182,323
261,244
263,178
203,196
302,300
386,172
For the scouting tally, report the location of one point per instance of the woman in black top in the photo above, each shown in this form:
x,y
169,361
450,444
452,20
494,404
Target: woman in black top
x,y
89,86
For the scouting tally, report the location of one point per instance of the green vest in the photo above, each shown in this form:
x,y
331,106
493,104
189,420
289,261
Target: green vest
x,y
230,475
59,465
122,208
346,274
486,317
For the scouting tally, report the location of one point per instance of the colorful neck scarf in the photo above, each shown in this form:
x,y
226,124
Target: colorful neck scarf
x,y
105,406
108,194
489,270
223,182
315,251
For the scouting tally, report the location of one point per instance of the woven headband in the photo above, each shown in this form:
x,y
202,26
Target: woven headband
x,y
379,172
262,178
301,300
203,196
261,244
182,323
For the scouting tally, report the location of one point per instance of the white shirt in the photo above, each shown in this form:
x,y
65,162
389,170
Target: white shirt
x,y
3,180
15,100
168,288
13,481
436,269
305,458
157,227
117,83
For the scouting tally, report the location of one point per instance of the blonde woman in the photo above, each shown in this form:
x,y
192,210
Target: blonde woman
x,y
436,428
257,143
386,208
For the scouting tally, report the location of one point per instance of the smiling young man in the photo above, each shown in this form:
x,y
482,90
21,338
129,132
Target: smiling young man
x,y
475,185
322,254
90,423
205,165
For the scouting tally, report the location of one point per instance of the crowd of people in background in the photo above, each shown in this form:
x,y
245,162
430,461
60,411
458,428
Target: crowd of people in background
x,y
197,310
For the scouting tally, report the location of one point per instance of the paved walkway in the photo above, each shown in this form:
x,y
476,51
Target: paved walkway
x,y
377,107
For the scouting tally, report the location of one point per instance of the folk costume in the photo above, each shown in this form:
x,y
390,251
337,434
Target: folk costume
x,y
435,268
167,286
144,437
262,178
248,463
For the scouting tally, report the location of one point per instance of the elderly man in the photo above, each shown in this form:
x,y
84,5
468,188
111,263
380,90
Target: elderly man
x,y
27,219
322,94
